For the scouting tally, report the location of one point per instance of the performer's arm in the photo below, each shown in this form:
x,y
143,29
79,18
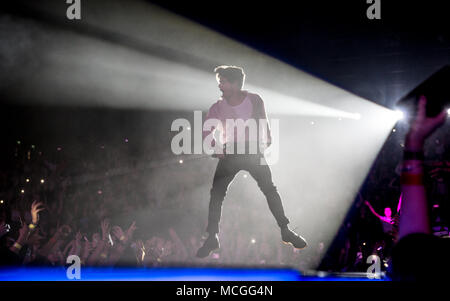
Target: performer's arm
x,y
211,123
209,116
264,117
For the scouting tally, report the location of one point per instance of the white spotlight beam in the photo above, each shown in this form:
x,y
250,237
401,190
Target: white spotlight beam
x,y
83,70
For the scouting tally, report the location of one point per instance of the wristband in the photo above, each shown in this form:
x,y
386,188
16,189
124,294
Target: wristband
x,y
122,238
17,246
411,179
410,155
31,226
103,255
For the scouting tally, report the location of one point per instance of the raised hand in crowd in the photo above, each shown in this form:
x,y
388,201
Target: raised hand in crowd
x,y
130,231
21,240
181,252
105,229
118,234
60,234
35,209
151,257
99,254
414,218
35,239
74,247
440,170
418,255
4,229
139,250
87,249
123,239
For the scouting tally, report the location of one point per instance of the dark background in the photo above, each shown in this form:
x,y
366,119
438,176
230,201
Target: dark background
x,y
335,41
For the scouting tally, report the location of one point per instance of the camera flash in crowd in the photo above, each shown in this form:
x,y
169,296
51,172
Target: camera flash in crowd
x,y
42,181
181,161
245,175
27,180
253,241
126,140
22,191
448,111
1,201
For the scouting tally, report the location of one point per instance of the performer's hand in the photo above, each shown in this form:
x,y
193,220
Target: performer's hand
x,y
219,156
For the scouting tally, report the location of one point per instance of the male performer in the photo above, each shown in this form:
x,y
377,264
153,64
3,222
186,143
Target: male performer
x,y
239,104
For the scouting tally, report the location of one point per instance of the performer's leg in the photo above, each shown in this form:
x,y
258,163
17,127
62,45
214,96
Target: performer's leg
x,y
224,175
263,177
226,170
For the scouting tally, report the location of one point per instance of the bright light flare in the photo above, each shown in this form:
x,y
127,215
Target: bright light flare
x,y
399,115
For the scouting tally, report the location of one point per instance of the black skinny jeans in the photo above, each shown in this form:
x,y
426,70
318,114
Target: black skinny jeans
x,y
226,170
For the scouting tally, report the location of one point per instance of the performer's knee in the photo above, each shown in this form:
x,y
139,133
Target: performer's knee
x,y
269,189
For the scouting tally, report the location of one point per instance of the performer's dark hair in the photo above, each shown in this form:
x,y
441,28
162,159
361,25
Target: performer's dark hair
x,y
232,73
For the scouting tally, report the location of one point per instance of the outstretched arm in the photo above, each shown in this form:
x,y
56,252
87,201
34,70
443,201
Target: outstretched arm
x,y
414,217
373,210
